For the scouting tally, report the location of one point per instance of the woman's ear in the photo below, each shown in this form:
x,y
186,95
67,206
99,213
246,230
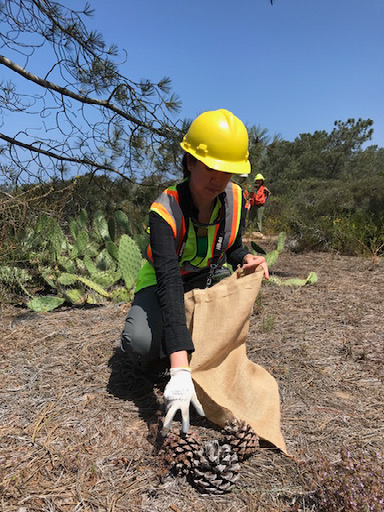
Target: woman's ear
x,y
190,162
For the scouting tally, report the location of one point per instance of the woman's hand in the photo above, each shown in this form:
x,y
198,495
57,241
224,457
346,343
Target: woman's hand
x,y
250,262
180,392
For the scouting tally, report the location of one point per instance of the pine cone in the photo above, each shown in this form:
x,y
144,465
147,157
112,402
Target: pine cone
x,y
217,469
179,452
241,437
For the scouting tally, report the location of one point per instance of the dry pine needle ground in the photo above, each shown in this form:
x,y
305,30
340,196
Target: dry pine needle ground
x,y
77,427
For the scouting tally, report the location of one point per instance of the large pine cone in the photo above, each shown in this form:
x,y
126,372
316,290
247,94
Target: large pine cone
x,y
241,437
217,469
179,451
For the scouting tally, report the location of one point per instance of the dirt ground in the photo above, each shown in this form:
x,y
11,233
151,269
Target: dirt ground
x,y
77,426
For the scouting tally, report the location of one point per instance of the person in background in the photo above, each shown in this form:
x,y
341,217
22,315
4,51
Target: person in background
x,y
241,180
195,231
257,200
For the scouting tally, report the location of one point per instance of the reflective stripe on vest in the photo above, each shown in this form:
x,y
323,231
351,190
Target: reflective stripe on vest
x,y
168,207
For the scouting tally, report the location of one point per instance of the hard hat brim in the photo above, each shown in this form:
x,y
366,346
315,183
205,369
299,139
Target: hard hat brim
x,y
242,167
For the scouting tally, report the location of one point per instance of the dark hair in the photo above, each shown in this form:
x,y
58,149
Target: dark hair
x,y
184,164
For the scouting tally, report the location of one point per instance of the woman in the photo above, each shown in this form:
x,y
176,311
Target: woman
x,y
195,228
257,200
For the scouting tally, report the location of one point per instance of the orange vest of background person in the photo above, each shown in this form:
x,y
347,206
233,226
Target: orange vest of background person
x,y
258,198
246,194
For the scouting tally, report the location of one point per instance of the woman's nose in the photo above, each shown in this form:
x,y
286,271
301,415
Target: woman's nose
x,y
218,176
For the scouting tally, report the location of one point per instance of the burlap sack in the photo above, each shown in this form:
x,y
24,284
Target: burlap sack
x,y
227,383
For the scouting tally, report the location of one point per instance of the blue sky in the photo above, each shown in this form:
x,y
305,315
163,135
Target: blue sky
x,y
291,68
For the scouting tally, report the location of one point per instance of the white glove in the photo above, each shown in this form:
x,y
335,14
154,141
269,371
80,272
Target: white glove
x,y
178,394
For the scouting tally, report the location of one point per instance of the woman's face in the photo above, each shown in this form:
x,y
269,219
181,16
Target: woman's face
x,y
205,183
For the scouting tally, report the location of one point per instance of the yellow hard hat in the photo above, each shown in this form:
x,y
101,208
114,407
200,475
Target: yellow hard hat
x,y
259,177
220,140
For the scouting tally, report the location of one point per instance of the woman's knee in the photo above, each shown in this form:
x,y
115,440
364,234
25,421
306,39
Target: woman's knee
x,y
136,337
143,328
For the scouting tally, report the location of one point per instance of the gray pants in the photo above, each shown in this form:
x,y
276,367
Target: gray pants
x,y
143,331
257,212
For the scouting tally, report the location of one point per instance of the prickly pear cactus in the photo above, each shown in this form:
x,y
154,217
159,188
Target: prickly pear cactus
x,y
112,229
67,264
281,241
87,267
311,279
15,278
121,294
271,257
104,261
123,222
75,296
112,249
78,225
94,286
107,278
80,245
101,227
45,303
90,265
130,260
52,239
11,275
67,279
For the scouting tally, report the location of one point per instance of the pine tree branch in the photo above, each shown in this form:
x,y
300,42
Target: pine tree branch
x,y
78,97
51,154
75,35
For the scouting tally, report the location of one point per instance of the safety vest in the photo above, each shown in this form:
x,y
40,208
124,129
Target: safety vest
x,y
258,197
173,206
246,197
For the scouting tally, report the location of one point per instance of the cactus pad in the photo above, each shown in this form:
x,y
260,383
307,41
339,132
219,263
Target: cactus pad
x,y
130,260
45,303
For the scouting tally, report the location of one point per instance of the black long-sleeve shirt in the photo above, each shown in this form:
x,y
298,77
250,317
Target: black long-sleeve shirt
x,y
170,289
